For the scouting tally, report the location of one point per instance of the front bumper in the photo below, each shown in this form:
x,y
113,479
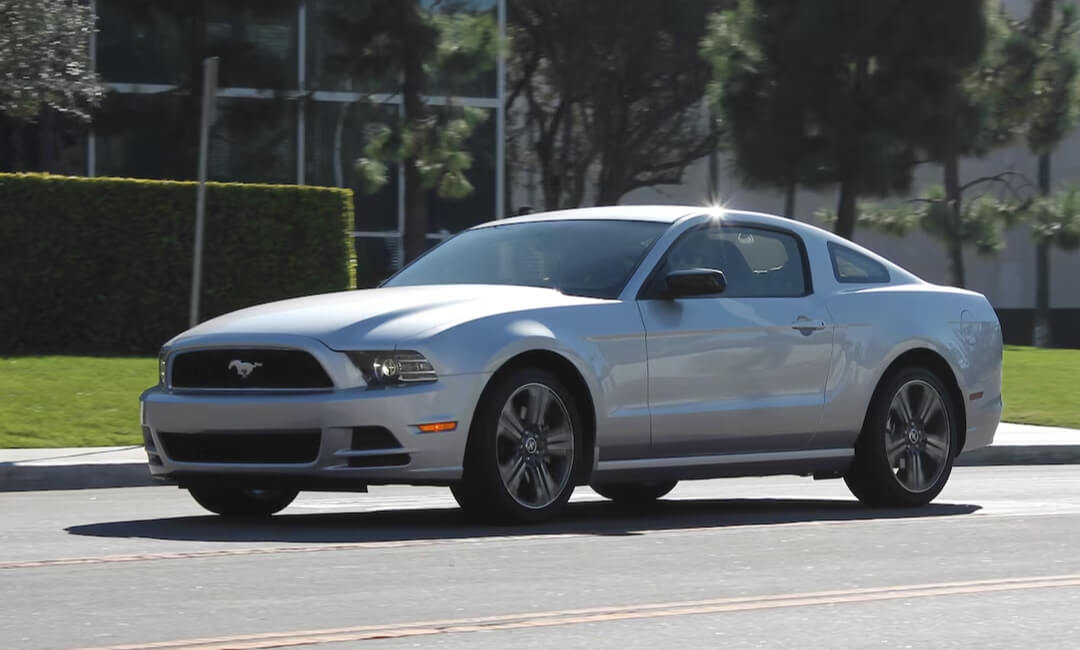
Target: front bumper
x,y
340,417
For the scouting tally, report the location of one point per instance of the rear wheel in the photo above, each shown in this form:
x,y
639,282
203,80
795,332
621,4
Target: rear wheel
x,y
523,452
634,493
242,502
905,453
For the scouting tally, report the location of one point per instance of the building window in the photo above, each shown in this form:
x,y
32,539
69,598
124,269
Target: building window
x,y
336,133
287,110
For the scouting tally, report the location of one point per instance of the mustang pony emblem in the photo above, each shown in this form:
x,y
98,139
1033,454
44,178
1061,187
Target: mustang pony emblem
x,y
243,368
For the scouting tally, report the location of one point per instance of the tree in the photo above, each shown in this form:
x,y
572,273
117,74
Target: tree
x,y
45,63
611,93
956,223
975,115
45,58
1055,220
762,94
1046,47
849,82
402,38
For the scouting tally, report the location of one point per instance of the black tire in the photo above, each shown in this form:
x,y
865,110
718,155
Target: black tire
x,y
900,464
635,493
231,501
483,493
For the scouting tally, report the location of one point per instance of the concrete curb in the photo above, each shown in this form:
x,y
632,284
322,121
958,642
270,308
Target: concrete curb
x,y
16,477
1021,455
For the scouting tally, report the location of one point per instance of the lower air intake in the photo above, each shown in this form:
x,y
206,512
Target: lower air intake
x,y
278,447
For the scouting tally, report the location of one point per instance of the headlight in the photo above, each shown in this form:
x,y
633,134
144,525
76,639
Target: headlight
x,y
393,368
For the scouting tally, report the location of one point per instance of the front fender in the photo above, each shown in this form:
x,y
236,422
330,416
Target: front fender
x,y
605,342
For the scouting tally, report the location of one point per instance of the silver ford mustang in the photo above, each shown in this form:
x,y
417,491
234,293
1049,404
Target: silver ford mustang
x,y
623,347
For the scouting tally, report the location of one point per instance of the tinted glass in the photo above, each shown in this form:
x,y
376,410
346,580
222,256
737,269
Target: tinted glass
x,y
454,215
852,267
586,258
335,41
139,42
337,133
253,141
165,42
757,263
132,131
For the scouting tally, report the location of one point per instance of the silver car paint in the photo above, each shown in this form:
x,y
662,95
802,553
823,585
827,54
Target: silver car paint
x,y
732,375
808,399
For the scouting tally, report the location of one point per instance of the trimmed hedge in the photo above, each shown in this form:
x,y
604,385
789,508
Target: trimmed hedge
x,y
103,265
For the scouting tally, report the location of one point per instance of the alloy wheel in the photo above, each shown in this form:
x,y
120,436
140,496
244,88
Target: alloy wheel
x,y
918,435
534,446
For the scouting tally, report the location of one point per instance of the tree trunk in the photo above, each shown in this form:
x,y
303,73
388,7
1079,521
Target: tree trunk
x,y
953,241
1040,335
848,164
845,210
414,237
789,199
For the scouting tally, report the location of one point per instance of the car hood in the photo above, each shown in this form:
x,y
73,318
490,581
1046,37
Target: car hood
x,y
381,317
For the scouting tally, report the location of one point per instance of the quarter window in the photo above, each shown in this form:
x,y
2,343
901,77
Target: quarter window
x,y
756,262
855,268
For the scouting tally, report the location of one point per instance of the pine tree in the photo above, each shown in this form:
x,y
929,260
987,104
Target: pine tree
x,y
848,85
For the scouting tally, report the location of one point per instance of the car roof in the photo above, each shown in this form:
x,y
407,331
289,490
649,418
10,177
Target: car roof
x,y
655,213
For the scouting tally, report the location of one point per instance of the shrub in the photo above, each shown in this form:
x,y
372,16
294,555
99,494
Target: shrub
x,y
103,265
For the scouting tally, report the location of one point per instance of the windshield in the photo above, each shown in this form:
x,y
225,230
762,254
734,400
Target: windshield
x,y
584,258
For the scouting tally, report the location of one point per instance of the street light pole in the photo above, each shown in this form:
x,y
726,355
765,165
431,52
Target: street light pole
x,y
210,73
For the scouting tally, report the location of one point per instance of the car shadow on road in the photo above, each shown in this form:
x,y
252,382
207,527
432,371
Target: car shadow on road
x,y
581,518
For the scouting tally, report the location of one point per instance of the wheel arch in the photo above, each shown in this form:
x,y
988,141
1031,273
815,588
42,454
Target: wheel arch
x,y
921,357
569,374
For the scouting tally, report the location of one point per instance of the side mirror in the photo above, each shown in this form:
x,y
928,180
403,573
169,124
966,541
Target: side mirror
x,y
694,282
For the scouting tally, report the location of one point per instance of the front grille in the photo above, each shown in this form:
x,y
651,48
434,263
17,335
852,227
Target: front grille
x,y
291,447
251,368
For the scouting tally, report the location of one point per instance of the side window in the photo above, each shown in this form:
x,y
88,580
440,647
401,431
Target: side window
x,y
757,263
855,268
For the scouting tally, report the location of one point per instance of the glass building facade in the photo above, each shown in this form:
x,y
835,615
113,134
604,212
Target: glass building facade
x,y
285,112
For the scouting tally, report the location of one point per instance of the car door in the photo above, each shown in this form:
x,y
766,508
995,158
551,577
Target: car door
x,y
743,370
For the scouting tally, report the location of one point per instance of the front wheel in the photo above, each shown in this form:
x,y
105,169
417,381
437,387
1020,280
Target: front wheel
x,y
242,502
634,493
523,452
905,453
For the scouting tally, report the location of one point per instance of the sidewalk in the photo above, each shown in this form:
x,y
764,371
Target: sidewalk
x,y
106,467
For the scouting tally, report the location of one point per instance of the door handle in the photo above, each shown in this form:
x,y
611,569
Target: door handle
x,y
806,326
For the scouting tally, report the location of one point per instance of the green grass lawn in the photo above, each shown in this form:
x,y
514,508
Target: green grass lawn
x,y
1042,386
72,401
94,401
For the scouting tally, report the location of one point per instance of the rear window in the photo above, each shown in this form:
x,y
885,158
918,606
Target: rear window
x,y
853,267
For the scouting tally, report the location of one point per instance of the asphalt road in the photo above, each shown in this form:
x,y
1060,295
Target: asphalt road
x,y
774,562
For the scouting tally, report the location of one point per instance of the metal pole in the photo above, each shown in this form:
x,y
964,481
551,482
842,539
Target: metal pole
x,y
500,117
210,70
91,137
301,97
